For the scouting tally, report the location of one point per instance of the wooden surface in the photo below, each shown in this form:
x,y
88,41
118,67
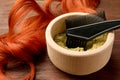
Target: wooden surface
x,y
45,70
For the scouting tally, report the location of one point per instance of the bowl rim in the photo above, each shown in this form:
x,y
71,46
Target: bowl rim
x,y
53,44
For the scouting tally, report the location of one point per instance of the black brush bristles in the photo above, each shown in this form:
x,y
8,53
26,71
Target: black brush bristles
x,y
73,42
83,20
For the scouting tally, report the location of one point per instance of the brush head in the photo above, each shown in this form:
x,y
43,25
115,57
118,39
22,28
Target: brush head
x,y
73,41
84,20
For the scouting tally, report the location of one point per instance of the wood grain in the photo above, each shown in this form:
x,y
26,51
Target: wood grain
x,y
47,71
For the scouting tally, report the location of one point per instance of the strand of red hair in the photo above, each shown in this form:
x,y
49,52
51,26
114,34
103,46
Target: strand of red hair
x,y
25,39
67,6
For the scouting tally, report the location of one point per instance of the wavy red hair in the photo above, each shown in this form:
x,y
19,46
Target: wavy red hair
x,y
25,39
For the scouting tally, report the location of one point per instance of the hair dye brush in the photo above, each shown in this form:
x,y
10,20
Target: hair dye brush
x,y
77,36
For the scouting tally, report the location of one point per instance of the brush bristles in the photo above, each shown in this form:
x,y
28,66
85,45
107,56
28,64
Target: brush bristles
x,y
75,42
83,20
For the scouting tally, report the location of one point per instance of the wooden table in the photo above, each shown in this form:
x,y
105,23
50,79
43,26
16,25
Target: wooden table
x,y
47,71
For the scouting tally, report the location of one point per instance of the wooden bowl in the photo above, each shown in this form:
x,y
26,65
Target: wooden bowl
x,y
74,62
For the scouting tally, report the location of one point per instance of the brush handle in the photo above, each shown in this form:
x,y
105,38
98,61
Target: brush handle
x,y
92,30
